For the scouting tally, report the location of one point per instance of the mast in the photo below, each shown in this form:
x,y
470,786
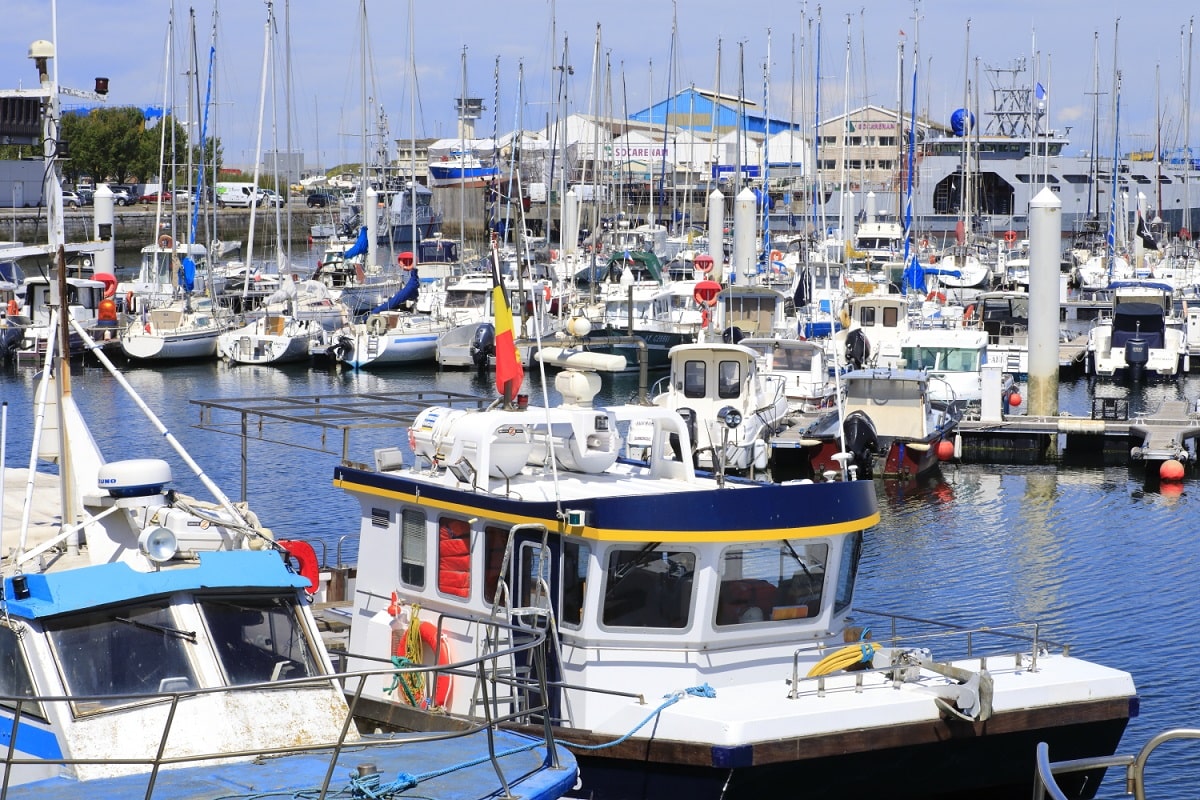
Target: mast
x,y
1112,208
262,99
766,161
1189,223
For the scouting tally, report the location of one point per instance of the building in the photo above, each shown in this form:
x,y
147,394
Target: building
x,y
21,183
867,148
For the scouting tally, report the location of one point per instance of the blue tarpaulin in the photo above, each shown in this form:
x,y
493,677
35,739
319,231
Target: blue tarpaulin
x,y
407,292
360,244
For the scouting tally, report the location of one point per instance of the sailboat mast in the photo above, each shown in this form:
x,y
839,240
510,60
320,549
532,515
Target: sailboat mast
x,y
262,99
1187,138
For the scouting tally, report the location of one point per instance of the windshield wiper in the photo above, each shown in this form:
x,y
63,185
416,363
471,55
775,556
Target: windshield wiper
x,y
176,632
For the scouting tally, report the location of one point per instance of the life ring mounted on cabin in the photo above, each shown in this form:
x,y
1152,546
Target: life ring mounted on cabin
x,y
165,242
705,293
441,656
306,559
1010,236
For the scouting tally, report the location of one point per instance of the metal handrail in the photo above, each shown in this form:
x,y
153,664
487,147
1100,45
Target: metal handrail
x,y
1045,775
532,640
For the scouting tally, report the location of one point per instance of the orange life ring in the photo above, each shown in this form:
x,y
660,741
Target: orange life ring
x,y
109,280
306,558
924,243
704,263
936,297
705,293
1010,236
13,308
546,292
969,315
441,651
165,242
704,318
776,256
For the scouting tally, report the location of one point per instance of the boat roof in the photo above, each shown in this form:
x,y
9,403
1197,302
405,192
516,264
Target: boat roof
x,y
886,373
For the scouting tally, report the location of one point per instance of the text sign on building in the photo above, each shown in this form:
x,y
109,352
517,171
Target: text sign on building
x,y
640,152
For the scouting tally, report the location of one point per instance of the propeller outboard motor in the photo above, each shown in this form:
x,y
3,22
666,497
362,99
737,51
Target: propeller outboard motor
x,y
861,441
732,335
342,349
483,344
858,348
1137,355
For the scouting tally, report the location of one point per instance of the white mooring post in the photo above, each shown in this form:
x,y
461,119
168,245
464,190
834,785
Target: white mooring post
x,y
1045,246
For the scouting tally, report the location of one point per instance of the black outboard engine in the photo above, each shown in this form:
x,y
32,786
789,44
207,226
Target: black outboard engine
x,y
342,349
483,344
689,421
1137,354
861,441
732,335
858,348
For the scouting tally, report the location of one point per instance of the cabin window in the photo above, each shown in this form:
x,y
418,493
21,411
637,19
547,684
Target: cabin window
x,y
648,588
15,680
574,582
259,639
412,548
847,571
131,650
729,380
495,540
771,582
866,316
694,379
454,557
891,317
534,575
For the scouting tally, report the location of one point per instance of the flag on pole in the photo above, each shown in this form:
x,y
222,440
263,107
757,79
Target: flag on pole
x,y
510,373
1039,91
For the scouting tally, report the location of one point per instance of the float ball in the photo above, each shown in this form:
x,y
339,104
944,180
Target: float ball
x,y
945,450
1014,399
1171,470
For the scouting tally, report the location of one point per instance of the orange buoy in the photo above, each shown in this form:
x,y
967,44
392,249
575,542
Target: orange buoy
x,y
945,450
1171,470
1014,399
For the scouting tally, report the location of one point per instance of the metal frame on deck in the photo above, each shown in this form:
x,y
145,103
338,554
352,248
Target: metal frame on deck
x,y
341,415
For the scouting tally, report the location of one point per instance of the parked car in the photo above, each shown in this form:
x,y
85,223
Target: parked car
x,y
121,195
154,196
271,197
71,200
319,200
86,195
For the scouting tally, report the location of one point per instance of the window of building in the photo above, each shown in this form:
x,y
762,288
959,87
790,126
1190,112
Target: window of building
x,y
454,557
829,163
829,140
887,141
854,141
885,164
645,587
853,163
771,582
412,548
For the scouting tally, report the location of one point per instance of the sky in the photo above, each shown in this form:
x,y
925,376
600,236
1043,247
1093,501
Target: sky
x,y
769,47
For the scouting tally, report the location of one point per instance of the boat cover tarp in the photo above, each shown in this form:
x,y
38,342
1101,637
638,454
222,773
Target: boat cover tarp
x,y
407,292
1138,321
360,244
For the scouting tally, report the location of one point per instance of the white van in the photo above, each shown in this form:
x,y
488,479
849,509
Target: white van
x,y
238,195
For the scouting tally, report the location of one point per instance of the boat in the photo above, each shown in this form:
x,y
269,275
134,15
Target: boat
x,y
955,359
184,329
1142,339
1018,155
469,163
732,409
164,646
888,422
271,339
90,301
807,374
157,281
706,642
161,645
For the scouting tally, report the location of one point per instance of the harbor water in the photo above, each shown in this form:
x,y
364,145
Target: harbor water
x,y
1103,563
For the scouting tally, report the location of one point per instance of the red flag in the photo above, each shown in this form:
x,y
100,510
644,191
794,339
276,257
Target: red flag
x,y
510,373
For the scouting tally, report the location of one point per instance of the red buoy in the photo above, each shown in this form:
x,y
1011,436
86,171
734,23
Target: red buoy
x,y
945,450
1170,470
1014,399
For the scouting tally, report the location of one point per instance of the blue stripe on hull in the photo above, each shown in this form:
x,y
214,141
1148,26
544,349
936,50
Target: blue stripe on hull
x,y
32,741
773,511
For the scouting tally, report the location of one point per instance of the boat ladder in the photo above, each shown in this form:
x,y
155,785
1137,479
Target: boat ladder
x,y
537,616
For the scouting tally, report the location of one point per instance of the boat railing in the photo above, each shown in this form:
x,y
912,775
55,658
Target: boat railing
x,y
350,684
941,640
1046,775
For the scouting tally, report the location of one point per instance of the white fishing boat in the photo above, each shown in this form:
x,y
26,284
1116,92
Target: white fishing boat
x,y
706,643
954,359
731,407
807,374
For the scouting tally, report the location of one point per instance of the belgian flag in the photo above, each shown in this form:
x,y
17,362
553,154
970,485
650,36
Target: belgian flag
x,y
510,373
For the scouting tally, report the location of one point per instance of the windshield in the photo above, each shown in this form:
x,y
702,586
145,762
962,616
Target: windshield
x,y
259,639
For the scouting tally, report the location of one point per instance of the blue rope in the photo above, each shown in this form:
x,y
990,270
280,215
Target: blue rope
x,y
704,690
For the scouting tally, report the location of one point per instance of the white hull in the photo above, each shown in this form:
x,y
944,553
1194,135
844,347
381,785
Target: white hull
x,y
169,346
